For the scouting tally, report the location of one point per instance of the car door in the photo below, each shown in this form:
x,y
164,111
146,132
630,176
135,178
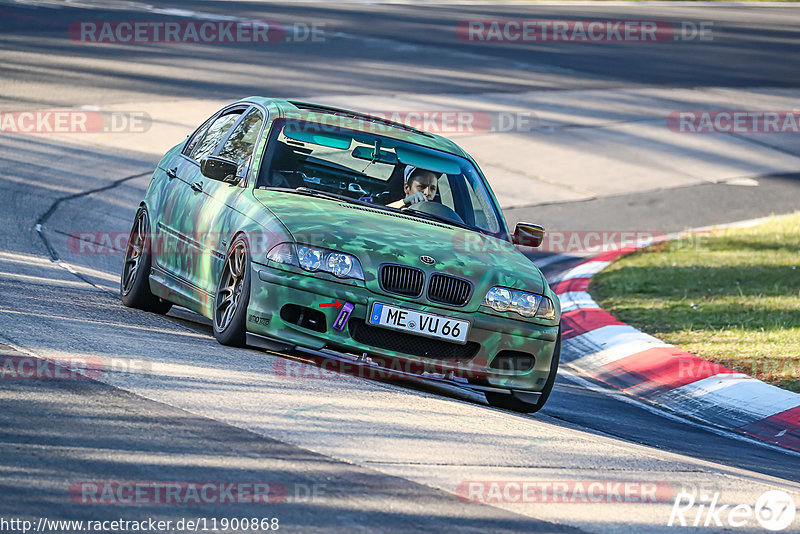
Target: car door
x,y
221,216
187,199
166,215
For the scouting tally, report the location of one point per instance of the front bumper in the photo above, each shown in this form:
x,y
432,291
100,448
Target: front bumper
x,y
272,289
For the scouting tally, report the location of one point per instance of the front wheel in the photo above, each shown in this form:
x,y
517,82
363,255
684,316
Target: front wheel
x,y
510,402
233,296
135,281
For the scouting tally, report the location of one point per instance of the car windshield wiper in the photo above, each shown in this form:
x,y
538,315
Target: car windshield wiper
x,y
431,217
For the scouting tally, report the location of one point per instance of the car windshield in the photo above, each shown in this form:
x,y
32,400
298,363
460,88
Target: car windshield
x,y
366,167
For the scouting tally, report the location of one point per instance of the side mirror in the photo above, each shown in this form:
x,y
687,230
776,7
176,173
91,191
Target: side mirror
x,y
529,235
220,169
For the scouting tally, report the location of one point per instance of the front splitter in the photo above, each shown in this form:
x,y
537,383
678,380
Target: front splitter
x,y
372,369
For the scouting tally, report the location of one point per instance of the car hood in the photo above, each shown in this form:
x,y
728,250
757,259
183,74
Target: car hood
x,y
378,236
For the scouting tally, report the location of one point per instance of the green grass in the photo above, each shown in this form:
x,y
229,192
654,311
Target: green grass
x,y
732,297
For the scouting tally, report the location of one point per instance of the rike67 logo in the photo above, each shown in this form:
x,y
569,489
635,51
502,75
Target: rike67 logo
x,y
774,510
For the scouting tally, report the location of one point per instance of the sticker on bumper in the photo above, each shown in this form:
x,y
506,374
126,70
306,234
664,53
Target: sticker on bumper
x,y
344,315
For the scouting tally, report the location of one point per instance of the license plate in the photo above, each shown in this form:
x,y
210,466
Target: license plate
x,y
419,323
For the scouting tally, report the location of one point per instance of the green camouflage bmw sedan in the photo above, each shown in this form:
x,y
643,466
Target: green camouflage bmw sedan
x,y
295,226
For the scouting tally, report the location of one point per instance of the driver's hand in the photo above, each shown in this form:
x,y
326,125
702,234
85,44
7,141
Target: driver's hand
x,y
419,196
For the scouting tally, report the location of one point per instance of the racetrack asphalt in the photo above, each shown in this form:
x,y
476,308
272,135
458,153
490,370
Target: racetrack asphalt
x,y
174,405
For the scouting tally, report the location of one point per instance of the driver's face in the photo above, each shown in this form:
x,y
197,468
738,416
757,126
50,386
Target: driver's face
x,y
424,183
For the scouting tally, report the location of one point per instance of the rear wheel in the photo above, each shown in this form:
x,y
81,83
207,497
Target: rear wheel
x,y
510,402
135,281
233,296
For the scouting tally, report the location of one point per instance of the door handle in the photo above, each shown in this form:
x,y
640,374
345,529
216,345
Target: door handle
x,y
198,186
172,173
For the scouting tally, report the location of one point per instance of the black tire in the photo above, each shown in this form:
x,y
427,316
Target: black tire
x,y
232,296
134,285
509,402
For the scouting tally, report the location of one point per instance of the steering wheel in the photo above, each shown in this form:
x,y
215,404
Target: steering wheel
x,y
437,210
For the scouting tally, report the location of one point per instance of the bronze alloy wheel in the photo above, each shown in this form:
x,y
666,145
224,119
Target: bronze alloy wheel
x,y
134,284
134,252
231,285
233,296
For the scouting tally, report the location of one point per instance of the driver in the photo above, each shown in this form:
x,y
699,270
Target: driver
x,y
420,186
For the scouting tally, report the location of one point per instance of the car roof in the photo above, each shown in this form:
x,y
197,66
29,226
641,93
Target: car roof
x,y
395,130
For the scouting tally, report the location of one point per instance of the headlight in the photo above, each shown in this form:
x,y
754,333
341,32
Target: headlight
x,y
502,299
283,253
310,258
339,265
547,310
498,299
314,259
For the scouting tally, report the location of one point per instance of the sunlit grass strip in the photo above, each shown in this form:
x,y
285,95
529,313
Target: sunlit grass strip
x,y
732,297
